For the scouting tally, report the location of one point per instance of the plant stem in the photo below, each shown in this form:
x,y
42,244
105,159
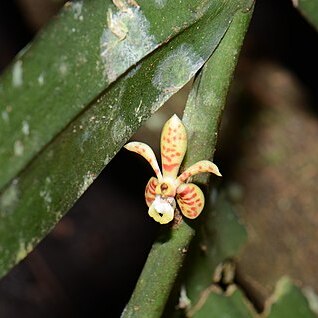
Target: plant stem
x,y
202,118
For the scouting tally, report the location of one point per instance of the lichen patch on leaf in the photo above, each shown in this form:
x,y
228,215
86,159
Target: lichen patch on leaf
x,y
125,41
175,70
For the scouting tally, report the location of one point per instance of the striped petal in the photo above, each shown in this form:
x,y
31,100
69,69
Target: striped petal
x,y
173,146
145,151
190,200
199,167
150,191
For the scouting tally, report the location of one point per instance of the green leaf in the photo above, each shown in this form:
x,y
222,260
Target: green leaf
x,y
67,129
289,301
229,306
309,9
166,257
74,60
221,233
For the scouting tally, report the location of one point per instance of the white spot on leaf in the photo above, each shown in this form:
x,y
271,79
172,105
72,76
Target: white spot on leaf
x,y
23,251
125,41
46,196
25,128
139,107
87,181
119,130
45,193
106,160
9,198
18,148
5,116
41,79
160,3
63,68
77,9
17,74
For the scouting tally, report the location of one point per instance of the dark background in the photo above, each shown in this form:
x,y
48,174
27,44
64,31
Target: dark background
x,y
89,264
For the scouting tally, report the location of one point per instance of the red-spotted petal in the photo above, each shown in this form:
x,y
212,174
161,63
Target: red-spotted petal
x,y
199,167
190,200
150,191
173,146
145,151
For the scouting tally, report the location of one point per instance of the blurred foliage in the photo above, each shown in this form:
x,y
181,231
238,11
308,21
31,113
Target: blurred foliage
x,y
210,288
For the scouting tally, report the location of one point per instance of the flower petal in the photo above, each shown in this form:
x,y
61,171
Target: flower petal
x,y
190,200
173,146
199,167
150,191
145,151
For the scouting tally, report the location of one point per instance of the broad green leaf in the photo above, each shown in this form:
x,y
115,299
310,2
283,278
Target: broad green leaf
x,y
309,8
88,46
289,301
35,199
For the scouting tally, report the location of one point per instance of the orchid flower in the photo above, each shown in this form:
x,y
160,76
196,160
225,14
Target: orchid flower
x,y
160,192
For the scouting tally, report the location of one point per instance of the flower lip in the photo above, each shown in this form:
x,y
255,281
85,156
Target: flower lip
x,y
162,209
